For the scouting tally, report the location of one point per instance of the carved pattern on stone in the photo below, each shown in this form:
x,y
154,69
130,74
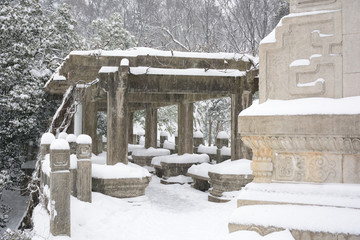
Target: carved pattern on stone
x,y
60,159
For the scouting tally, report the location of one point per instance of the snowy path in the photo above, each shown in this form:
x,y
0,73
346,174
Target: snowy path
x,y
166,212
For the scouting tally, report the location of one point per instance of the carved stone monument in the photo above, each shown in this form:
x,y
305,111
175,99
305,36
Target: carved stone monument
x,y
313,52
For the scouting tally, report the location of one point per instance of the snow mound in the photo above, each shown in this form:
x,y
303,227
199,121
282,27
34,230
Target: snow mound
x,y
169,145
237,167
71,138
164,134
225,151
59,144
222,135
62,135
134,147
83,139
151,152
119,170
206,149
198,134
250,235
185,158
47,138
201,170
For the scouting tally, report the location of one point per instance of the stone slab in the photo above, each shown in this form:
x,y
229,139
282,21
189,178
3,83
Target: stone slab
x,y
122,187
60,203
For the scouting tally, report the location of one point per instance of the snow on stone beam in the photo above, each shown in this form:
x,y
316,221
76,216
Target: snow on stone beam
x,y
107,69
143,51
187,72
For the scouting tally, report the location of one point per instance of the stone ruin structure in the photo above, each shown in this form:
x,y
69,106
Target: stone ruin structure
x,y
306,164
121,82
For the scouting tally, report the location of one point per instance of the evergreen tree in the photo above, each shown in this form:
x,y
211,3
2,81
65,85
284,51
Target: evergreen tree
x,y
30,42
109,34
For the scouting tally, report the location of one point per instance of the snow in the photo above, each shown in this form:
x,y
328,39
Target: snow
x,y
241,166
104,139
282,235
222,135
62,135
339,195
185,158
47,138
169,145
207,149
108,69
315,56
83,139
164,134
300,62
57,77
322,34
45,165
179,179
187,72
118,171
198,134
71,138
225,151
151,152
59,144
176,212
73,161
140,132
133,147
310,84
238,167
201,170
143,51
305,106
271,37
307,218
124,62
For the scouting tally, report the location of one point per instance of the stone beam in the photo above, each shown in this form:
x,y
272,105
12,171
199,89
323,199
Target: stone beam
x,y
175,84
185,128
89,119
151,127
115,82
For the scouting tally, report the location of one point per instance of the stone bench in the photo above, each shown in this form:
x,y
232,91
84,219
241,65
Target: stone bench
x,y
227,177
199,174
176,165
143,157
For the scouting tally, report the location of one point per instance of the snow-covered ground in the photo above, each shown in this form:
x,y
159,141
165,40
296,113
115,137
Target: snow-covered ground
x,y
165,212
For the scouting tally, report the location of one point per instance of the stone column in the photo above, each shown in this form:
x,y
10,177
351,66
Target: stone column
x,y
89,120
238,148
185,128
78,119
84,180
221,140
115,83
163,137
198,139
59,188
151,127
131,128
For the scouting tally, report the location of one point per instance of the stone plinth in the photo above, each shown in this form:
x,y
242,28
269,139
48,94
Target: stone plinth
x,y
174,169
142,160
122,187
226,183
158,171
308,148
200,183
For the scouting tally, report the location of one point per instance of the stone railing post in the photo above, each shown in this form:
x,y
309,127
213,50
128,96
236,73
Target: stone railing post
x,y
84,181
71,139
46,140
198,139
60,188
163,137
222,140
